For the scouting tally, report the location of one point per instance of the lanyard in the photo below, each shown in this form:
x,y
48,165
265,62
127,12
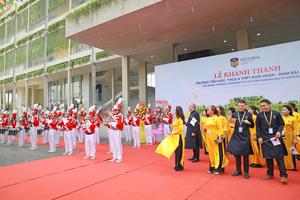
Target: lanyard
x,y
241,121
269,121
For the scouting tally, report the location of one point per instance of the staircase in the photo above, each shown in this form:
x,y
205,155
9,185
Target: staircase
x,y
110,103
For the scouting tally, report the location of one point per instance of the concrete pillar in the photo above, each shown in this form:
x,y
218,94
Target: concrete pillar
x,y
14,96
1,101
93,79
4,99
175,52
69,87
143,82
85,89
20,99
32,96
125,81
242,39
26,93
113,78
45,91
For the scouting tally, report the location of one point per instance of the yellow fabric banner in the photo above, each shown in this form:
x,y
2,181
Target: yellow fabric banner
x,y
168,145
142,132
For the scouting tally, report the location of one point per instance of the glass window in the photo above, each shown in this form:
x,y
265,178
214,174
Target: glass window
x,y
61,90
76,3
77,47
10,30
8,100
57,91
36,52
1,65
22,22
57,8
52,92
2,34
37,14
9,62
21,57
77,87
151,79
57,45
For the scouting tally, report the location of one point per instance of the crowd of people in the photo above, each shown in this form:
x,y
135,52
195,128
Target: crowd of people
x,y
256,136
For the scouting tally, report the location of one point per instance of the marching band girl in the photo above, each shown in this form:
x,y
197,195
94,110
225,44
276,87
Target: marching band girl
x,y
12,131
24,127
136,129
89,129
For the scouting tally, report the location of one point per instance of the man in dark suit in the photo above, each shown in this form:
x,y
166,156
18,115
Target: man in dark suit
x,y
240,144
193,134
269,127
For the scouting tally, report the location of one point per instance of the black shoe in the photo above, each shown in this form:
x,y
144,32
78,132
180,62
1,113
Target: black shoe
x,y
191,159
252,165
246,175
236,173
179,168
195,160
258,166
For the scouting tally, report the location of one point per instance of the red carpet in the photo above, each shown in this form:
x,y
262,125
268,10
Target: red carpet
x,y
142,175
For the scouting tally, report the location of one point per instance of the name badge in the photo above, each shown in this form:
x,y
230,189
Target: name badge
x,y
240,129
208,132
283,134
270,130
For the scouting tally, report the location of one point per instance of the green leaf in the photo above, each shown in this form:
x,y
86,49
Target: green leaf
x,y
87,9
103,54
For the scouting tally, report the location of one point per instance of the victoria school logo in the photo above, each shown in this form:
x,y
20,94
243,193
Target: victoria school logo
x,y
234,62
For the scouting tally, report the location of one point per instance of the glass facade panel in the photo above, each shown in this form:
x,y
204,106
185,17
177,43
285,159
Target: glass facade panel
x,y
1,64
21,57
57,45
37,14
2,34
76,3
77,47
9,62
36,52
77,88
10,30
57,8
22,22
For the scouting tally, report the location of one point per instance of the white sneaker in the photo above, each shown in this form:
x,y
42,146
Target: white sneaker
x,y
86,157
118,161
50,151
32,148
112,160
70,153
93,157
65,153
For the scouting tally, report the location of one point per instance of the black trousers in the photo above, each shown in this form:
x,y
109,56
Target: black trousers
x,y
294,161
280,164
178,153
238,161
220,168
196,150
